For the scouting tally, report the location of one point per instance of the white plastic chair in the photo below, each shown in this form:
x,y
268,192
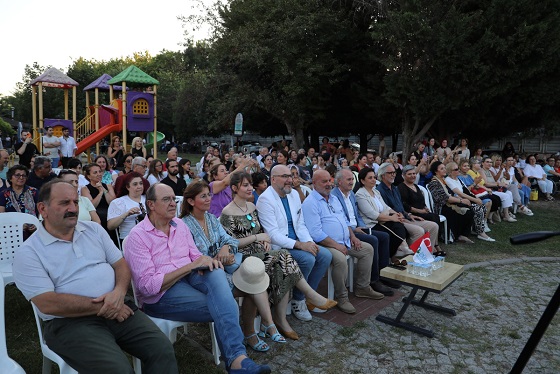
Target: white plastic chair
x,y
11,238
49,357
179,201
169,328
429,201
349,279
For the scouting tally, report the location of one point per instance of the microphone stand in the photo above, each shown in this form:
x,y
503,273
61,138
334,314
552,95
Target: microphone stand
x,y
548,313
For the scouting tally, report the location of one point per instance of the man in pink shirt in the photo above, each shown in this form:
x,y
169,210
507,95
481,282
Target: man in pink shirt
x,y
162,255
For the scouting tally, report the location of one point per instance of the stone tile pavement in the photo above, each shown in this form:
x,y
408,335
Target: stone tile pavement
x,y
498,305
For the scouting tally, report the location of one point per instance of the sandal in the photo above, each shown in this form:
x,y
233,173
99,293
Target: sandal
x,y
277,337
439,252
260,346
400,263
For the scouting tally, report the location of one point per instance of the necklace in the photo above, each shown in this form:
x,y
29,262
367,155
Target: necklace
x,y
246,207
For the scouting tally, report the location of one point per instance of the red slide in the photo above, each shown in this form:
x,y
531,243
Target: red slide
x,y
97,136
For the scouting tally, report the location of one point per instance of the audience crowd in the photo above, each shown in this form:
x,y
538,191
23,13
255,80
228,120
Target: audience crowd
x,y
265,227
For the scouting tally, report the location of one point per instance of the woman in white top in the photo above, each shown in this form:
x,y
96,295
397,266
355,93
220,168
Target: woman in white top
x,y
129,207
498,188
534,170
87,210
155,172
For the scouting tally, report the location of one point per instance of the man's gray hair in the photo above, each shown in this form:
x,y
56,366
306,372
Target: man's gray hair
x,y
135,161
339,174
383,169
40,162
151,196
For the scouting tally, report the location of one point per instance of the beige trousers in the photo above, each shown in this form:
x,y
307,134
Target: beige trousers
x,y
417,228
362,274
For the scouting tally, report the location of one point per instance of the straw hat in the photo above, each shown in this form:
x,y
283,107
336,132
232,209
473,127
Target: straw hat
x,y
251,277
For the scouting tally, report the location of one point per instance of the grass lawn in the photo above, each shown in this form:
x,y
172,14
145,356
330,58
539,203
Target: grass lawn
x,y
23,345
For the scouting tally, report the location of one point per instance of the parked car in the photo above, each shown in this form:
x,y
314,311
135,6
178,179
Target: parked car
x,y
251,147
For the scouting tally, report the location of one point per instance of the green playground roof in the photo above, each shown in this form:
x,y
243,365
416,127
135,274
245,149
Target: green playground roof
x,y
132,74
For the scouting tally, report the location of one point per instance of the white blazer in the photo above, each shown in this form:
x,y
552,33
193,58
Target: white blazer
x,y
274,221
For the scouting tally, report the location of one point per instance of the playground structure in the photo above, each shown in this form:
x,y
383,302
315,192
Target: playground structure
x,y
134,110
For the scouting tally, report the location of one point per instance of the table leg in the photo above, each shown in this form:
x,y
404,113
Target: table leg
x,y
397,321
421,303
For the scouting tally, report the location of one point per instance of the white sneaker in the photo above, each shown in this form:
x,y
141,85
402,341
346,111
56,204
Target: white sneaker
x,y
525,211
487,238
300,310
509,219
404,252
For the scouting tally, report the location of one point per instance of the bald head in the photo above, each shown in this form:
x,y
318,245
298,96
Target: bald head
x,y
322,183
281,180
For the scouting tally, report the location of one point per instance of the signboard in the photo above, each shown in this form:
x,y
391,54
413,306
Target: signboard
x,y
238,130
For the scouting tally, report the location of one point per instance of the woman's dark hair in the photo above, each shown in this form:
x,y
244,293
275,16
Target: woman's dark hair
x,y
107,166
64,172
258,178
128,155
285,154
362,155
123,190
299,158
434,167
191,191
237,178
73,163
13,169
87,169
331,168
181,164
363,173
152,168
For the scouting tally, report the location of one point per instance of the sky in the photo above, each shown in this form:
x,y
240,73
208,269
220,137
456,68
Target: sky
x,y
57,32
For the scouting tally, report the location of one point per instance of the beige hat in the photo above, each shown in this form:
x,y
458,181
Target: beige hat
x,y
251,277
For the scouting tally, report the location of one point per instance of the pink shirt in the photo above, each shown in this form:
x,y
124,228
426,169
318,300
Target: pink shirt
x,y
151,254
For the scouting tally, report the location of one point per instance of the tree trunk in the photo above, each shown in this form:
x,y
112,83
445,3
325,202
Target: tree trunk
x,y
413,132
296,132
363,143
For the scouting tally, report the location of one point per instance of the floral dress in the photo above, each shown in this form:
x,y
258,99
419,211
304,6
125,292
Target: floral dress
x,y
280,266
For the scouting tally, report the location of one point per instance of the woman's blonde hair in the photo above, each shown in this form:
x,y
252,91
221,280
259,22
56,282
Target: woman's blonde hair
x,y
133,145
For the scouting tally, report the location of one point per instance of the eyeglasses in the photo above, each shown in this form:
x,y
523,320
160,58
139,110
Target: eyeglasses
x,y
128,161
144,166
456,169
250,218
167,199
391,173
23,176
285,176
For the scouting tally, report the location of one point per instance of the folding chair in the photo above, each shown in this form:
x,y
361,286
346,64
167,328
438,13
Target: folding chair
x,y
429,201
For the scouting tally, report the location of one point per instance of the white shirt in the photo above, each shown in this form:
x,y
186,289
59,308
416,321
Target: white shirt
x,y
67,146
453,184
121,205
536,171
350,209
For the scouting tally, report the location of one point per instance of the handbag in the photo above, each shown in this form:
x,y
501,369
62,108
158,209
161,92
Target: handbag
x,y
534,196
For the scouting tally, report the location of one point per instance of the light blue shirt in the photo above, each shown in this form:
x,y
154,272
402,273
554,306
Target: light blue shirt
x,y
322,217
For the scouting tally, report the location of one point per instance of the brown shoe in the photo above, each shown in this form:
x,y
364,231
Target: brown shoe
x,y
346,306
369,293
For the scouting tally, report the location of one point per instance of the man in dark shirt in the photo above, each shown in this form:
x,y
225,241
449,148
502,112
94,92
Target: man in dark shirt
x,y
26,149
178,184
42,172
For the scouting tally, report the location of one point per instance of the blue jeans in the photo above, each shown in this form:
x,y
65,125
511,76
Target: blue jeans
x,y
379,240
525,193
204,298
312,267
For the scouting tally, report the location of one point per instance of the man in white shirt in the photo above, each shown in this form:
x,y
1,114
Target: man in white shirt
x,y
51,146
67,147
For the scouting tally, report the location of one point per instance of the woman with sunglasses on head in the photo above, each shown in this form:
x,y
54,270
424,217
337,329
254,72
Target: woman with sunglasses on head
x,y
129,207
240,219
212,240
127,160
86,209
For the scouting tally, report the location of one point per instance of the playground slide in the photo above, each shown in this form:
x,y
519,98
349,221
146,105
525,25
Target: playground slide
x,y
97,137
159,138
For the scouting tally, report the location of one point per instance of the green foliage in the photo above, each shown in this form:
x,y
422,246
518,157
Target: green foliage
x,y
6,128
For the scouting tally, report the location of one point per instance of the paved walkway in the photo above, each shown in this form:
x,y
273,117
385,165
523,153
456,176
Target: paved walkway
x,y
498,305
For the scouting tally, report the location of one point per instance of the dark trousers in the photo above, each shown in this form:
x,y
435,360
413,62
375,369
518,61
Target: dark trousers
x,y
64,161
93,344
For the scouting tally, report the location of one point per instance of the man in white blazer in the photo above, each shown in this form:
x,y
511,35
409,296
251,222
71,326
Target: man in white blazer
x,y
281,217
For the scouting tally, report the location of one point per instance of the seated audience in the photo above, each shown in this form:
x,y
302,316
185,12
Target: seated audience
x,y
499,189
41,173
240,220
185,171
129,207
519,192
476,205
551,174
173,179
76,165
99,193
219,184
329,228
107,177
19,196
534,171
86,209
280,215
459,218
475,173
416,226
138,165
378,216
88,316
162,256
155,172
360,164
298,184
127,164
